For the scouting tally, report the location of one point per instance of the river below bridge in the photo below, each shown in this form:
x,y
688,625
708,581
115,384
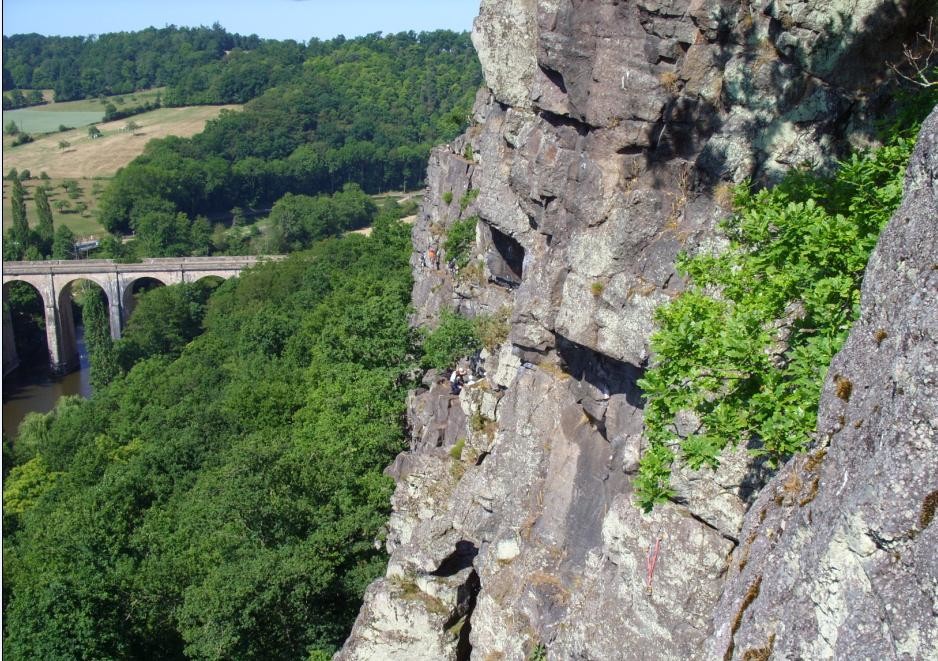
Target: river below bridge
x,y
28,390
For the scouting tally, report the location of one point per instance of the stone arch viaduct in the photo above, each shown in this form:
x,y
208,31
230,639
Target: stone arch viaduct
x,y
53,281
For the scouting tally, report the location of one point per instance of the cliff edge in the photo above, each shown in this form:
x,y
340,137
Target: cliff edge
x,y
604,144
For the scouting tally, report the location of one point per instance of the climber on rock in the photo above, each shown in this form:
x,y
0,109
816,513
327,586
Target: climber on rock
x,y
455,381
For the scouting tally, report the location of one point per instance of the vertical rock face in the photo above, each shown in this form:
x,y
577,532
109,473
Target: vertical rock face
x,y
603,145
839,558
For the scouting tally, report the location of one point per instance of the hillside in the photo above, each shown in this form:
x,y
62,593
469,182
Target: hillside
x,y
363,111
87,158
119,63
320,117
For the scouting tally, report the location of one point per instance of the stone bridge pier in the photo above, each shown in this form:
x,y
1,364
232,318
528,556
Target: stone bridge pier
x,y
10,358
53,280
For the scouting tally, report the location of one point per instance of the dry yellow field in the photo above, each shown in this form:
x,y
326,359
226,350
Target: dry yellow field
x,y
102,157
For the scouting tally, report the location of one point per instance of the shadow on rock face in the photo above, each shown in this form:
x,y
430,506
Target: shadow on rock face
x,y
608,375
459,559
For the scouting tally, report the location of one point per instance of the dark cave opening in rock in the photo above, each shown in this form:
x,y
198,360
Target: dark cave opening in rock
x,y
506,261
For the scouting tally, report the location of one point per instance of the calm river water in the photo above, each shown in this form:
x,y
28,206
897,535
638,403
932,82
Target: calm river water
x,y
25,390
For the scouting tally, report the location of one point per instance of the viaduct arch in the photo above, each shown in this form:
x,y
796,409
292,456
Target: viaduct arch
x,y
53,280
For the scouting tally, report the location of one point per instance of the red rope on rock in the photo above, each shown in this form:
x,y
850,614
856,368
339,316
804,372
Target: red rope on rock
x,y
650,564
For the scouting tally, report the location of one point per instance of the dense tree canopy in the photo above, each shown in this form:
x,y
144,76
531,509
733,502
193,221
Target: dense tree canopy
x,y
116,63
300,219
163,322
365,111
209,65
222,498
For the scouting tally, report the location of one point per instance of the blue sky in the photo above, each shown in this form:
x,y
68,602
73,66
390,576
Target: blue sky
x,y
276,19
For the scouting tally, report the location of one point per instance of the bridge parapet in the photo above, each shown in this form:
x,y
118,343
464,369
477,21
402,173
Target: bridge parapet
x,y
65,267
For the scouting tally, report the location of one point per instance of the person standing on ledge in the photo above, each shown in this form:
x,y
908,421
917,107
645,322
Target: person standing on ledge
x,y
455,381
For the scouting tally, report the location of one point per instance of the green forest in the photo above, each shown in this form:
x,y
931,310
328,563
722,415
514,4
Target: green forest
x,y
362,111
222,496
124,62
198,65
366,112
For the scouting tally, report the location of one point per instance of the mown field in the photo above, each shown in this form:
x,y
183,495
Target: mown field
x,y
92,161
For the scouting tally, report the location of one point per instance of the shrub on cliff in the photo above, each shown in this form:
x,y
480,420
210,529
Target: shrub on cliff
x,y
453,339
743,352
460,239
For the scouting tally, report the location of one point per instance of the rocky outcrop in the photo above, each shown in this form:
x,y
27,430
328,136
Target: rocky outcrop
x,y
604,151
838,558
603,145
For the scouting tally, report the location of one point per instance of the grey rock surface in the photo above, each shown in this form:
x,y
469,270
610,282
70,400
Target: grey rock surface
x,y
838,558
609,136
504,36
603,146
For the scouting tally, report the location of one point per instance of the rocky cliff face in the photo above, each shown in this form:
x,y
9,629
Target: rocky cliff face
x,y
838,557
602,146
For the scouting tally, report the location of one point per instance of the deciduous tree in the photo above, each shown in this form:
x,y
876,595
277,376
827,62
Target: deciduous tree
x,y
63,243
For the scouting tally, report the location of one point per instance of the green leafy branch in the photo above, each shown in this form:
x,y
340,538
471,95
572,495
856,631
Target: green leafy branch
x,y
741,355
459,240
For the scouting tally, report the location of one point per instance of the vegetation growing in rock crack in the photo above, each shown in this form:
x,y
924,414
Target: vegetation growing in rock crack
x,y
459,240
468,198
457,337
741,355
493,329
454,338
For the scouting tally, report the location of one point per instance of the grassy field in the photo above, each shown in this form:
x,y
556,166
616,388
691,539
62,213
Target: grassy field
x,y
82,224
33,120
91,162
102,157
75,114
